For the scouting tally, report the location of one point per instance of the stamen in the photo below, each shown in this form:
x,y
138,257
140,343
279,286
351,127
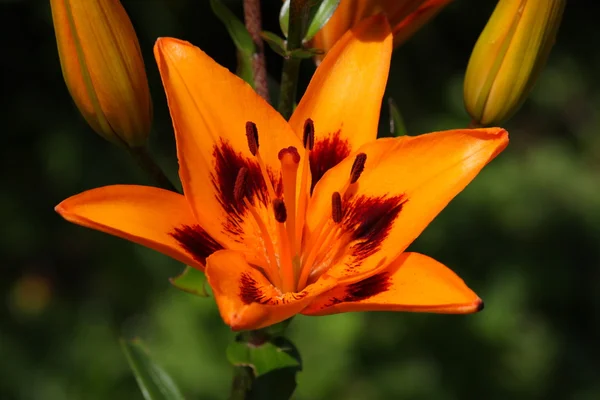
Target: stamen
x,y
336,207
280,211
357,167
240,187
286,268
252,137
309,142
272,272
309,134
290,159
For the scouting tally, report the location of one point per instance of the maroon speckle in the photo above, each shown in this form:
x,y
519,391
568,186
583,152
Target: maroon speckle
x,y
369,220
227,163
363,290
196,241
369,287
326,154
250,292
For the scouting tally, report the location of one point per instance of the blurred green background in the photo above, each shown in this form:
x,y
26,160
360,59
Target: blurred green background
x,y
524,235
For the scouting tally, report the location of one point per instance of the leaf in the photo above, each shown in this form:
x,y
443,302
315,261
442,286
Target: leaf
x,y
397,127
275,42
241,39
284,17
192,281
266,357
305,53
320,17
319,13
154,383
237,30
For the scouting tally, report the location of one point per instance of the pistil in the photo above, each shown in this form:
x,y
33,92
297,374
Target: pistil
x,y
290,159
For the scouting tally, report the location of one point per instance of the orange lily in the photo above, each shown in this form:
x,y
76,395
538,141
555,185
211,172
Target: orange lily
x,y
405,16
308,216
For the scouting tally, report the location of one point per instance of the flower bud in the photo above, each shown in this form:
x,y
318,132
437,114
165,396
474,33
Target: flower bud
x,y
103,68
405,16
508,56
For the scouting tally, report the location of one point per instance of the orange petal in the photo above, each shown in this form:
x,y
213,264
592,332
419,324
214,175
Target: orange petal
x,y
414,282
406,182
246,299
344,96
210,107
155,218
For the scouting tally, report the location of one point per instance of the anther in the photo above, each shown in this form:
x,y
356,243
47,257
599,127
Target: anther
x,y
357,167
309,134
280,211
239,189
252,137
336,207
291,152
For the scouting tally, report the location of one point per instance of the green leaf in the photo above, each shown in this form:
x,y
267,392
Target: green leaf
x,y
320,17
265,357
305,53
284,17
237,30
397,127
319,13
154,383
275,42
241,38
192,281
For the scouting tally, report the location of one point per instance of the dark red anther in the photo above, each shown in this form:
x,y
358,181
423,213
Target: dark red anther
x,y
280,211
336,207
358,167
252,137
309,134
241,185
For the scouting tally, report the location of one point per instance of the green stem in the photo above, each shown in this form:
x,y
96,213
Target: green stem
x,y
243,377
291,65
146,162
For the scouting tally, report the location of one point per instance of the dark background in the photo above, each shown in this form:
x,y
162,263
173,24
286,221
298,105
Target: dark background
x,y
525,234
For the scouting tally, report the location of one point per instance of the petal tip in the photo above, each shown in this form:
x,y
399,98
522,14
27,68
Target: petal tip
x,y
479,305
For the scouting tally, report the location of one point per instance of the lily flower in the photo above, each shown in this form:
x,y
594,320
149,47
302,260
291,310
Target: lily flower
x,y
405,16
309,216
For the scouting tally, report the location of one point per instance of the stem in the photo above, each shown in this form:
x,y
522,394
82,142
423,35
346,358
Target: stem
x,y
146,162
243,377
291,65
252,17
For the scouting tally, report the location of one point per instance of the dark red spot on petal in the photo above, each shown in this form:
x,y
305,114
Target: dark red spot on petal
x,y
250,292
196,241
326,154
227,164
363,290
368,287
368,220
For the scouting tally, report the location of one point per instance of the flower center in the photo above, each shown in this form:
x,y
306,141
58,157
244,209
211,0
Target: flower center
x,y
295,256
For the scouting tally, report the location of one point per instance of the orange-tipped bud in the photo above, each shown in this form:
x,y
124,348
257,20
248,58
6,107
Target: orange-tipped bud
x,y
405,16
508,57
103,68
